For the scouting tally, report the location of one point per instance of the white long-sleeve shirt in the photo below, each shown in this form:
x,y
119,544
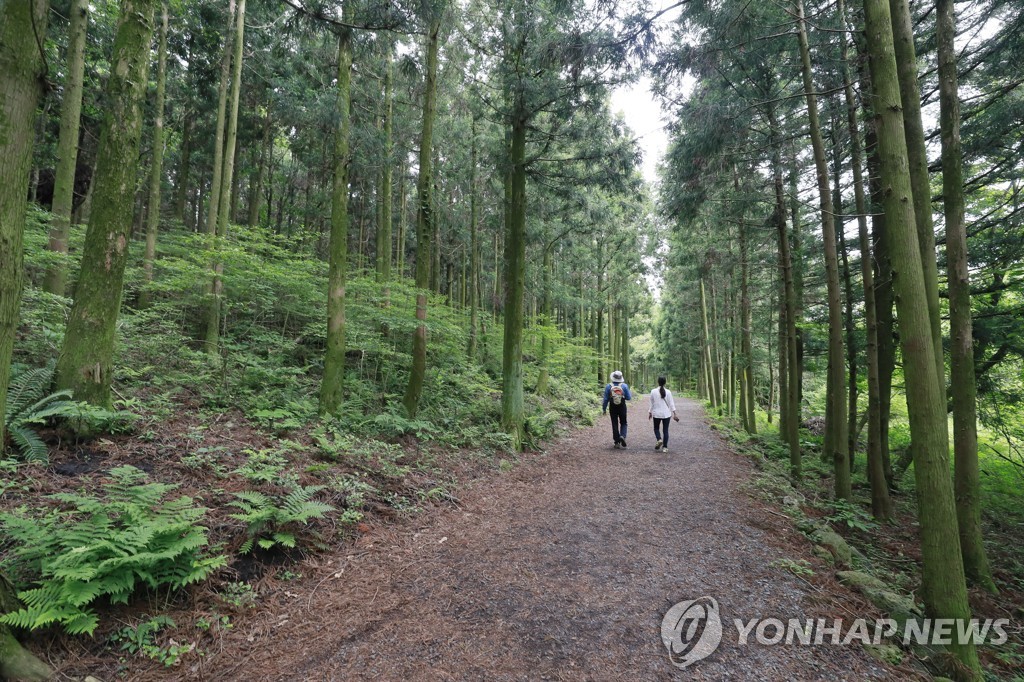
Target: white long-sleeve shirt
x,y
662,409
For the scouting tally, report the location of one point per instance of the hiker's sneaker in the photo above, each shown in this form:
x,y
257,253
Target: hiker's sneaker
x,y
623,442
657,446
616,446
664,448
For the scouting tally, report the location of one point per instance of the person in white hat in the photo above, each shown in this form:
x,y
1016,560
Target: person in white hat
x,y
616,393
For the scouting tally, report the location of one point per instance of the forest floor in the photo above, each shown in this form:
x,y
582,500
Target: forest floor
x,y
560,569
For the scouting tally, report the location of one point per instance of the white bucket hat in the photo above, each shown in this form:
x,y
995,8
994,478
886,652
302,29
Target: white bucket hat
x,y
616,375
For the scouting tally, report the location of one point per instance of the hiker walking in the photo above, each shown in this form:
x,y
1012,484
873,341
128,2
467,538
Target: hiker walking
x,y
616,394
662,411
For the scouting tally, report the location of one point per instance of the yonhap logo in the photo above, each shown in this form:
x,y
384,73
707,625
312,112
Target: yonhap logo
x,y
691,631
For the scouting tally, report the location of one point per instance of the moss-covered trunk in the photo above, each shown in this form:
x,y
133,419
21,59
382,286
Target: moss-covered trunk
x,y
67,145
21,84
964,387
226,193
86,359
424,224
332,386
156,169
512,412
943,584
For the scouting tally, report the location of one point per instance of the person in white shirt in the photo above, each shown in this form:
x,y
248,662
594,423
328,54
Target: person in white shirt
x,y
662,411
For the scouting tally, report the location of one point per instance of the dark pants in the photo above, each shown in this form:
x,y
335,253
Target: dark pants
x,y
619,425
659,425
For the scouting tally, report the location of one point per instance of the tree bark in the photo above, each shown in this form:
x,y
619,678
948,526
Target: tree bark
x,y
156,169
789,385
67,146
881,504
746,345
835,418
224,203
256,187
917,155
512,412
85,365
474,249
21,85
943,583
332,386
964,386
384,229
545,341
424,224
709,381
213,204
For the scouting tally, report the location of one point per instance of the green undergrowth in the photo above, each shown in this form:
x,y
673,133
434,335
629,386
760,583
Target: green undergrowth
x,y
218,470
887,550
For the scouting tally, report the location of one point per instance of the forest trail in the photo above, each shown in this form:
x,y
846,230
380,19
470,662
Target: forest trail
x,y
561,569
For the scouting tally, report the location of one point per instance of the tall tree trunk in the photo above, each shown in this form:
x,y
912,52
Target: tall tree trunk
x,y
332,387
384,229
835,418
85,364
512,412
881,505
67,146
474,249
789,385
256,186
21,84
182,176
226,194
884,299
424,224
402,214
156,170
964,386
848,321
709,381
917,155
943,583
545,341
213,205
624,346
716,349
746,345
797,261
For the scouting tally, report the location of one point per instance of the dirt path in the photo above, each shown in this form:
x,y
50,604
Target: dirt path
x,y
560,570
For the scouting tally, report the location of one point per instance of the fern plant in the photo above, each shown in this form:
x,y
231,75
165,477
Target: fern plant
x,y
269,518
29,405
105,547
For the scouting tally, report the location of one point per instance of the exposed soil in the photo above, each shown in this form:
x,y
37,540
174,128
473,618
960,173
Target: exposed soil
x,y
561,569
